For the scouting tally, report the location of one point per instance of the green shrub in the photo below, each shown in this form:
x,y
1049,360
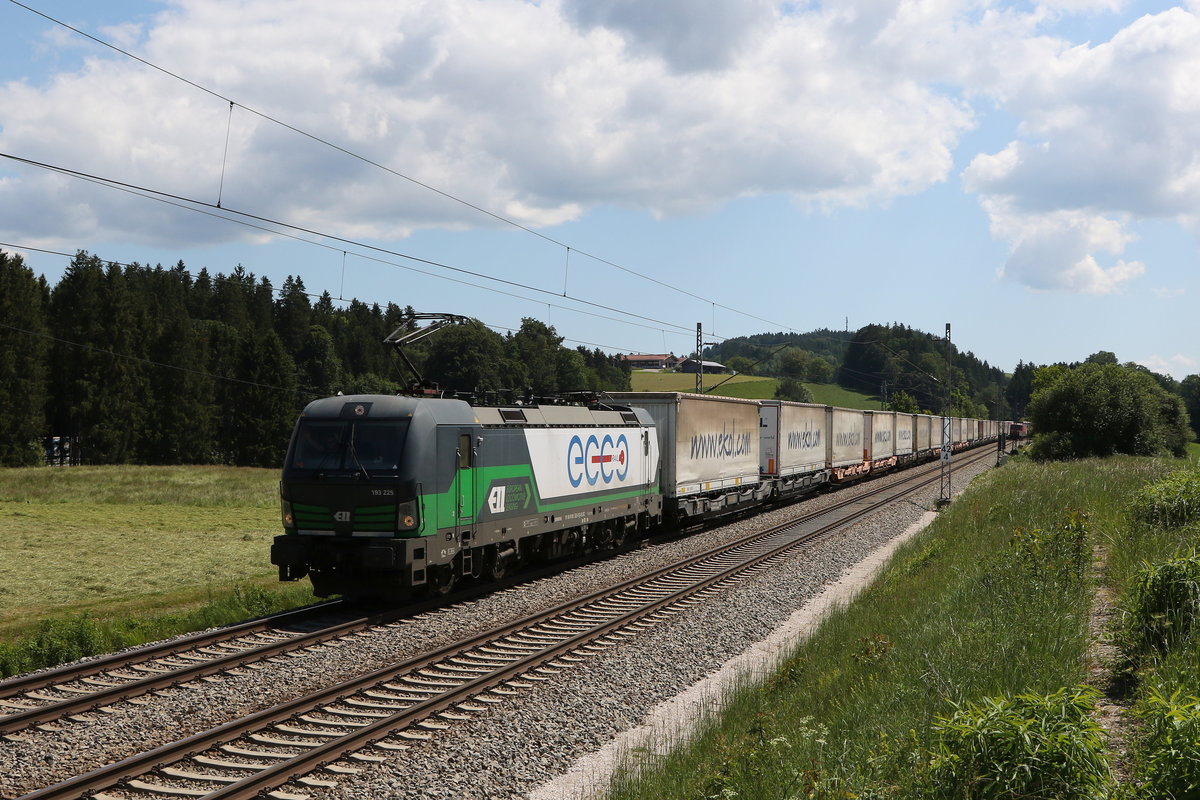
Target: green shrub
x,y
1060,553
1162,606
59,640
1170,746
55,641
1170,502
1027,746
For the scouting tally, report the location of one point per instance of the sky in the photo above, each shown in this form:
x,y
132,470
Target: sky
x,y
1028,172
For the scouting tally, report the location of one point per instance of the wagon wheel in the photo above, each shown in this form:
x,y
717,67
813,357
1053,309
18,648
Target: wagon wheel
x,y
443,579
497,565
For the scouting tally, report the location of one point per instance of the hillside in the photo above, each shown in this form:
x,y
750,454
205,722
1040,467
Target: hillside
x,y
749,386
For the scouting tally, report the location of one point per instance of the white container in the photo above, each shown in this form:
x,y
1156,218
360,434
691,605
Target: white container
x,y
792,438
925,435
847,427
881,435
906,432
707,443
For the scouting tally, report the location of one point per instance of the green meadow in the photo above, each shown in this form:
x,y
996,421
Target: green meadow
x,y
134,551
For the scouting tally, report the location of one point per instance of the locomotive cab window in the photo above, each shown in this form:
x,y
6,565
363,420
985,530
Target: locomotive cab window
x,y
464,451
329,445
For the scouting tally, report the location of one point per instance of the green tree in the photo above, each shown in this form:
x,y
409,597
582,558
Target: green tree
x,y
466,358
1020,389
903,402
293,315
536,346
320,370
98,388
740,364
1102,357
793,362
262,407
24,345
1101,409
795,391
572,371
179,404
1189,389
818,370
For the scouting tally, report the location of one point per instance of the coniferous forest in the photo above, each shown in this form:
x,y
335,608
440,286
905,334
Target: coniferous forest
x,y
131,364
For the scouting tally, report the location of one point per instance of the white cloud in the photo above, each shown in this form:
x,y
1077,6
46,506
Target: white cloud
x,y
1168,293
1081,6
687,35
1110,134
537,111
1057,250
1177,366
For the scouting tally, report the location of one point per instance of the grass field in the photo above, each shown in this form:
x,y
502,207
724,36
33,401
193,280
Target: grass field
x,y
989,604
130,540
748,386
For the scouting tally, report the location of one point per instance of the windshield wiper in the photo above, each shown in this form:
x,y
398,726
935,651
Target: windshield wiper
x,y
354,451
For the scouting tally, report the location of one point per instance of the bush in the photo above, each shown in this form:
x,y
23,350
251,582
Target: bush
x,y
1025,746
1061,553
795,391
1102,409
1170,745
1170,502
55,641
1162,605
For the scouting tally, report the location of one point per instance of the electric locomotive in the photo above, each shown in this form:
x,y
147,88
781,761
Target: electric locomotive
x,y
383,495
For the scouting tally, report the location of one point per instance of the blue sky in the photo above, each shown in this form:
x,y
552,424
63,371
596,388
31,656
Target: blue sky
x,y
1028,172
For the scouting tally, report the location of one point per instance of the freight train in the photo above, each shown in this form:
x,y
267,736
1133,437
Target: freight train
x,y
383,496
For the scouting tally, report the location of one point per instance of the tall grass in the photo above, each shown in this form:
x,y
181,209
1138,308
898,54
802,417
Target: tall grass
x,y
58,640
1157,576
989,604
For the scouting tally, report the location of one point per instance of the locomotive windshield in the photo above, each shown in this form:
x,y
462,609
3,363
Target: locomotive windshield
x,y
355,446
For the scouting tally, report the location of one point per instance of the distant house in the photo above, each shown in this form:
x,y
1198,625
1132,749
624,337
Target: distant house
x,y
692,365
650,362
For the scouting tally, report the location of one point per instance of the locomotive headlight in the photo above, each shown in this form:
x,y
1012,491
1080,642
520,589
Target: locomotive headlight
x,y
285,509
406,515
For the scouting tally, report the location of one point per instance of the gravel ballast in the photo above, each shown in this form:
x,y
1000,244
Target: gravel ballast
x,y
513,748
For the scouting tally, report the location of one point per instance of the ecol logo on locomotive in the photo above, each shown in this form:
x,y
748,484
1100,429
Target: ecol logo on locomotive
x,y
569,463
597,459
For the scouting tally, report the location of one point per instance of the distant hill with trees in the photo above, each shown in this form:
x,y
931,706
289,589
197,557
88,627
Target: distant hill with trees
x,y
901,364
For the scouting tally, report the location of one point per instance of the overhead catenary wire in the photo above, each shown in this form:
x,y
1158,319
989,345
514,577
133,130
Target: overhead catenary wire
x,y
200,206
613,348
305,390
364,159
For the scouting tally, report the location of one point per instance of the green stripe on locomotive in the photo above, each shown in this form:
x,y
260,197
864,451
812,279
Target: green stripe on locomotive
x,y
477,497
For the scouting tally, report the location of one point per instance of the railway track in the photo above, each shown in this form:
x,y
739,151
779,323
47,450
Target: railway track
x,y
96,684
278,750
